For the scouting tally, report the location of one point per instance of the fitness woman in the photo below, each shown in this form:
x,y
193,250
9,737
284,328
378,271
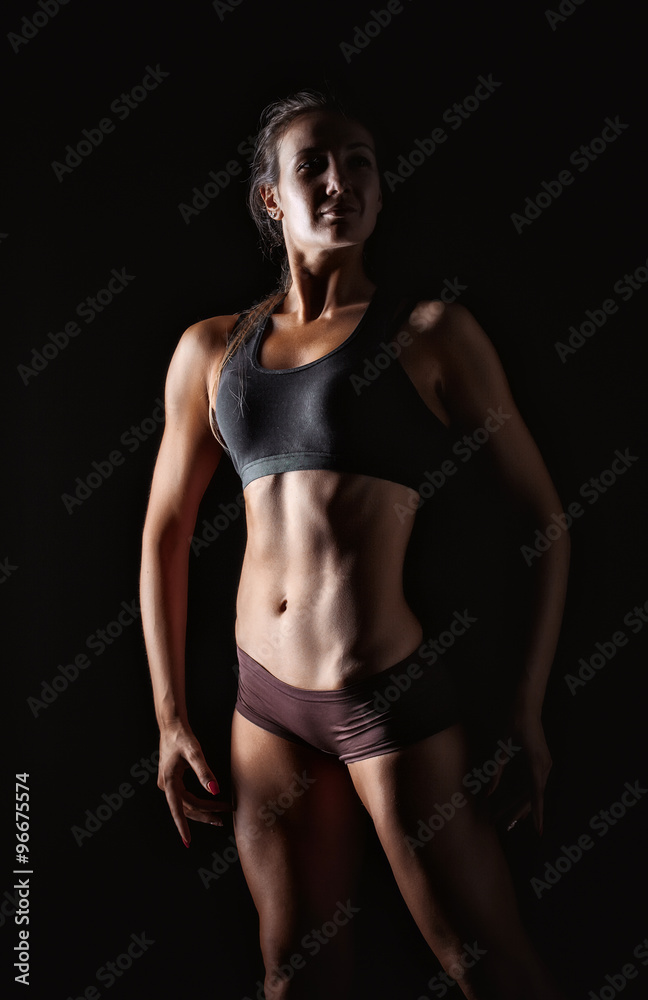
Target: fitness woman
x,y
327,461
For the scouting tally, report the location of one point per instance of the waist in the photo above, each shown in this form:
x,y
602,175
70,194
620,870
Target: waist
x,y
324,637
320,597
316,661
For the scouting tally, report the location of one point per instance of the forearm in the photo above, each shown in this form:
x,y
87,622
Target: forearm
x,y
163,598
551,572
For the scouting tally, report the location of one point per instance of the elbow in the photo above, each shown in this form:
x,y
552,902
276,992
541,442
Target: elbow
x,y
164,541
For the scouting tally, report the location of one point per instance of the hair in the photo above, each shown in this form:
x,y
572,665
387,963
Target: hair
x,y
274,122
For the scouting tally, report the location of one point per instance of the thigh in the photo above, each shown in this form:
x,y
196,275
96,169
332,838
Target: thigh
x,y
448,862
298,823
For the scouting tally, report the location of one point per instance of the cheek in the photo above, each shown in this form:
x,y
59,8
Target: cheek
x,y
296,199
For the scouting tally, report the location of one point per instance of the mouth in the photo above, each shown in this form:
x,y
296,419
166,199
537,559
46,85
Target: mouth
x,y
339,211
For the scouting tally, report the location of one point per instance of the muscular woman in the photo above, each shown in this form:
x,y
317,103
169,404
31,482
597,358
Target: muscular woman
x,y
327,460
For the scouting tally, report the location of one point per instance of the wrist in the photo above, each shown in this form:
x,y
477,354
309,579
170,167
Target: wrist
x,y
169,720
527,706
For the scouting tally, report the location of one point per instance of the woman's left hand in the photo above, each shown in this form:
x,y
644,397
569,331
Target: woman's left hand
x,y
529,735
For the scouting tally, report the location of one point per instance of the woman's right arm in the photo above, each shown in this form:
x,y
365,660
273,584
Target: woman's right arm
x,y
188,457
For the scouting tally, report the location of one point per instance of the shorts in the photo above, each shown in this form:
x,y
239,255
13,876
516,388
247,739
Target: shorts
x,y
369,717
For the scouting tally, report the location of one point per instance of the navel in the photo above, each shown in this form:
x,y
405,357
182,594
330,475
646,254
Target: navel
x,y
284,605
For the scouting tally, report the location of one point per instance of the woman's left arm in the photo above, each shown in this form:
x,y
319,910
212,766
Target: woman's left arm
x,y
475,392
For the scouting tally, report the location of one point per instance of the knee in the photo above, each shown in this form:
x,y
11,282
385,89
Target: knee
x,y
461,964
282,973
489,972
309,969
277,984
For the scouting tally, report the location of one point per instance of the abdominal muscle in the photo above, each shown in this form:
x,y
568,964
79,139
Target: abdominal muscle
x,y
320,601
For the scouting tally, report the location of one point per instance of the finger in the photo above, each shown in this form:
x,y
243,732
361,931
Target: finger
x,y
207,805
204,812
201,816
495,780
200,768
519,815
172,790
538,810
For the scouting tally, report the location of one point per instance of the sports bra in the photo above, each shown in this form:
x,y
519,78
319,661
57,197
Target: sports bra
x,y
353,410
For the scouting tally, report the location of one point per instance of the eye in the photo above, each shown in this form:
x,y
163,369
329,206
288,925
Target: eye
x,y
362,161
315,163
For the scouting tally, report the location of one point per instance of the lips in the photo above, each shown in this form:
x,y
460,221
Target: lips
x,y
339,210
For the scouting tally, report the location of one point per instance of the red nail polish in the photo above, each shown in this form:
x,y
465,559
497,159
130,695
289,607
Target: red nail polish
x,y
213,787
185,842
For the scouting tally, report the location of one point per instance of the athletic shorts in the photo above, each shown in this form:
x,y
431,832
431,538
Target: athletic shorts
x,y
375,715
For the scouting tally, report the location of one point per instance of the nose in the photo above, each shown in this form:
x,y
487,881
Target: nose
x,y
336,180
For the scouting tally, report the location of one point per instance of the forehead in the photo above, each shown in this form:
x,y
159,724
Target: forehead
x,y
321,129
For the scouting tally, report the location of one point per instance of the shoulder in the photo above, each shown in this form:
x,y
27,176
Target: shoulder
x,y
206,338
197,355
444,320
452,333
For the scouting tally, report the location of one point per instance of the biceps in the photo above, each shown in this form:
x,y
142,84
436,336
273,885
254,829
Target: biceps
x,y
478,398
521,467
184,467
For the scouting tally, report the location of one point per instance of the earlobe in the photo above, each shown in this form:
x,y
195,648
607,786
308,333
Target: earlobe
x,y
270,201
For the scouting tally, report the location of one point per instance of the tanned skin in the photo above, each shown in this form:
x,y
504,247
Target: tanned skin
x,y
320,604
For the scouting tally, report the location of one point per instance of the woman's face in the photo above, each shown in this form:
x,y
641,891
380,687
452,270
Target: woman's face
x,y
328,193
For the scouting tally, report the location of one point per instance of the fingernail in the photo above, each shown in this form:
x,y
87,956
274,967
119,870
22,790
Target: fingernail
x,y
185,842
213,787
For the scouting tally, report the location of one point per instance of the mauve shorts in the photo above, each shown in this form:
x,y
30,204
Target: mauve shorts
x,y
372,716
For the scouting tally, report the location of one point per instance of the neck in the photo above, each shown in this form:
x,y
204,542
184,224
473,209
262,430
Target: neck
x,y
321,285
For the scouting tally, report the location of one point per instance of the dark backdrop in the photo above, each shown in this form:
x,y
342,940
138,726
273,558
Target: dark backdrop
x,y
85,374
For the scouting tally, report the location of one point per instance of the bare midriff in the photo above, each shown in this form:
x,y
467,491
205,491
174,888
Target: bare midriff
x,y
320,601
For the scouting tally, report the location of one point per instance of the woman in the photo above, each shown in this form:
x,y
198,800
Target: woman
x,y
329,460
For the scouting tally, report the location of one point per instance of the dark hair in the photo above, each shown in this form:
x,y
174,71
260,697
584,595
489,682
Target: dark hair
x,y
274,122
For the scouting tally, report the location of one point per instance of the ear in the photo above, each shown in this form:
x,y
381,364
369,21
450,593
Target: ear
x,y
269,196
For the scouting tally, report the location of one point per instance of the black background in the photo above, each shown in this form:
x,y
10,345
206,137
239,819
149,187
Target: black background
x,y
67,572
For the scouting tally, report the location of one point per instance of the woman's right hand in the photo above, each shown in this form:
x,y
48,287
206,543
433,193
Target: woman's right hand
x,y
179,750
